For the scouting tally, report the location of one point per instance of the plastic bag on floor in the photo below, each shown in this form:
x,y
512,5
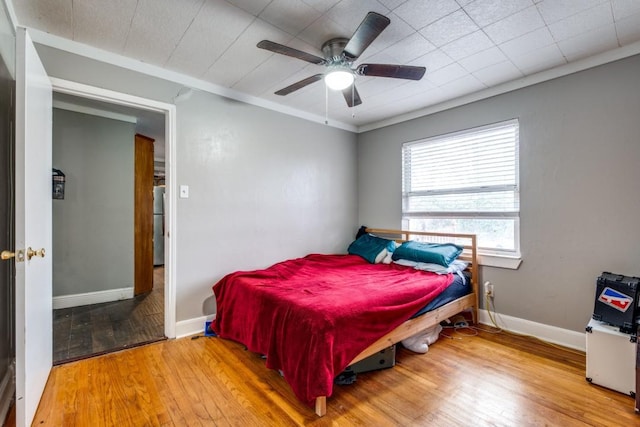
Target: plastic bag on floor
x,y
421,341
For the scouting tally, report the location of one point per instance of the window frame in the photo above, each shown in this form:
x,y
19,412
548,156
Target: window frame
x,y
492,256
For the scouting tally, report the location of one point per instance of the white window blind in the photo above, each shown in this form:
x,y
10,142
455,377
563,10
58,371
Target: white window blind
x,y
465,182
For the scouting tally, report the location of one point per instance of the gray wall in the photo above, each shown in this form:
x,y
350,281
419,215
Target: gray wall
x,y
263,186
579,175
93,225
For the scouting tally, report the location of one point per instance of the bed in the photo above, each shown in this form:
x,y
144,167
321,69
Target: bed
x,y
314,316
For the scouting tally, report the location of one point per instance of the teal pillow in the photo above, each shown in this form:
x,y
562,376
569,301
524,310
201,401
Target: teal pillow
x,y
434,253
369,247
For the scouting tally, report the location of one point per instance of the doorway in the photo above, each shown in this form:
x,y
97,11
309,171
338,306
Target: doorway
x,y
128,322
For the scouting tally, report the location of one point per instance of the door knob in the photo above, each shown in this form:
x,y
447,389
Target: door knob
x,y
6,255
31,253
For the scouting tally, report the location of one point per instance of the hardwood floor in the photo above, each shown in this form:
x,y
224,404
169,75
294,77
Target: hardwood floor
x,y
87,330
11,417
488,379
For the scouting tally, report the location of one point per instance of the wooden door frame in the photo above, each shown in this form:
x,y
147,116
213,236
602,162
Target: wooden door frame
x,y
143,215
169,111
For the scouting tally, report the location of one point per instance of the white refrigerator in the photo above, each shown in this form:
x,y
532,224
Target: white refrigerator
x,y
158,225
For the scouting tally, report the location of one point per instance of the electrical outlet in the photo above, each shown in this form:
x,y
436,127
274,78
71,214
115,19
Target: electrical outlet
x,y
488,289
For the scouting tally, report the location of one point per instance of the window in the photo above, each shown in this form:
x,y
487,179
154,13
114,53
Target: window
x,y
465,182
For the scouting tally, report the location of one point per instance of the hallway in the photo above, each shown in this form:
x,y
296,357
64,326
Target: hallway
x,y
89,330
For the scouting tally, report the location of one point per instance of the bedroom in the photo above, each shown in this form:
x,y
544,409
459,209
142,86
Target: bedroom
x,y
283,181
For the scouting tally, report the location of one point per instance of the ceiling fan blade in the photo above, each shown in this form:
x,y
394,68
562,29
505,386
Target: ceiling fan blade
x,y
299,85
352,97
289,51
408,72
370,28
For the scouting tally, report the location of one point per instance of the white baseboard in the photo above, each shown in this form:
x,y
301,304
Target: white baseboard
x,y
552,334
193,326
66,301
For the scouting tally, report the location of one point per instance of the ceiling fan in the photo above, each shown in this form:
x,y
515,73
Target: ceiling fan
x,y
339,55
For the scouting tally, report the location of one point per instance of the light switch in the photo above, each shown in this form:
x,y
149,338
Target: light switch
x,y
184,191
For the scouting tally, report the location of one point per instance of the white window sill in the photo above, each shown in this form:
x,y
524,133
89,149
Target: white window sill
x,y
500,261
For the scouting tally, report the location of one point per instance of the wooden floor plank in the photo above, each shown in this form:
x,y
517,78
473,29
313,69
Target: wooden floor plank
x,y
489,379
97,328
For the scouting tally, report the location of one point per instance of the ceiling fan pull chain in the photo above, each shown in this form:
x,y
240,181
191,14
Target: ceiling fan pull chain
x,y
353,100
326,104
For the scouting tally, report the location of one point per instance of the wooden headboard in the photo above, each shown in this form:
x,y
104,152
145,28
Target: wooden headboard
x,y
467,241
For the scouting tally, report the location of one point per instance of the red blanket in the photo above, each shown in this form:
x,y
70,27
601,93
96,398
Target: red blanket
x,y
311,316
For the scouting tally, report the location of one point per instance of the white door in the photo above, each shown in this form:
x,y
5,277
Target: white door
x,y
32,229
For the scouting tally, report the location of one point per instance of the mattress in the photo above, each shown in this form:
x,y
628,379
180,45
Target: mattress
x,y
311,316
460,287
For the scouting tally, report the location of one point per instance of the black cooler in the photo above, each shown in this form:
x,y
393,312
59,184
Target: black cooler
x,y
381,360
617,301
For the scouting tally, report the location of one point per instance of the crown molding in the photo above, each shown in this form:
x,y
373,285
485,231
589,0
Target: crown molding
x,y
94,53
62,105
91,52
543,76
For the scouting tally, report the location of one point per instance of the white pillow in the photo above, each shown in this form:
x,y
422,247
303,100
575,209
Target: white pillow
x,y
386,259
455,267
421,341
381,256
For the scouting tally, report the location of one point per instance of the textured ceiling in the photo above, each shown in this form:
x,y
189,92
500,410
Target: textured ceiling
x,y
466,45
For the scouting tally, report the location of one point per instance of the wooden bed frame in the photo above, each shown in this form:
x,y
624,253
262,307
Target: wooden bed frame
x,y
413,326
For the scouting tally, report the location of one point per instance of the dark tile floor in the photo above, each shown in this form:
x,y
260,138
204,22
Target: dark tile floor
x,y
88,330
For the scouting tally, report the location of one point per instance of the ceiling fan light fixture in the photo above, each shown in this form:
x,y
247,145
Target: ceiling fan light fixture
x,y
339,79
339,55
